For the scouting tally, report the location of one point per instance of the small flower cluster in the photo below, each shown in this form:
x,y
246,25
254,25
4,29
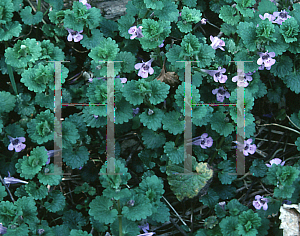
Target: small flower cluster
x,y
276,17
203,141
145,228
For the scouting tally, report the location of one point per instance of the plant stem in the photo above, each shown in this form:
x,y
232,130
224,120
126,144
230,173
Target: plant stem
x,y
11,75
158,55
218,146
39,5
120,219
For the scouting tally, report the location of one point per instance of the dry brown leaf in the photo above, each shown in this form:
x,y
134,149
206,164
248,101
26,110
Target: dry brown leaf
x,y
170,78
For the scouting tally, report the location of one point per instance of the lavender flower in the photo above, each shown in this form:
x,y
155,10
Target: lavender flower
x,y
222,204
3,230
161,44
50,154
267,16
266,60
135,111
145,228
281,16
247,77
136,32
203,141
203,22
221,93
16,143
286,202
261,202
96,117
74,35
248,147
144,68
84,2
276,161
217,74
217,43
11,180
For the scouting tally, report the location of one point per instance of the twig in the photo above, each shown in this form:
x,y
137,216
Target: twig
x,y
7,189
282,127
176,212
177,227
292,122
292,144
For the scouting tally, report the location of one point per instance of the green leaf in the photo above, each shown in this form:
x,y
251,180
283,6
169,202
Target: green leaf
x,y
3,193
229,225
228,29
201,115
30,19
108,27
173,56
172,124
48,176
228,173
289,29
235,207
175,154
266,6
117,194
279,46
248,223
189,3
141,209
128,227
188,185
58,201
100,210
45,101
282,67
114,181
124,24
78,232
74,219
180,95
91,42
153,4
160,212
219,124
7,9
225,191
57,5
107,51
292,81
258,168
10,30
128,61
154,120
7,102
159,92
8,212
76,158
229,15
26,205
168,13
210,199
41,129
152,187
37,193
247,31
153,140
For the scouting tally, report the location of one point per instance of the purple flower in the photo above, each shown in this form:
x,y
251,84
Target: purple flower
x,y
136,32
217,43
50,154
248,147
221,93
222,204
80,168
144,68
203,141
275,161
161,44
266,60
135,111
286,202
84,2
281,16
11,180
217,74
96,117
261,202
203,22
74,35
3,230
267,16
145,228
16,143
247,77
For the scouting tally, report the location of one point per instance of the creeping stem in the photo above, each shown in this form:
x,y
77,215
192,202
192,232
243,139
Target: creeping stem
x,y
120,219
